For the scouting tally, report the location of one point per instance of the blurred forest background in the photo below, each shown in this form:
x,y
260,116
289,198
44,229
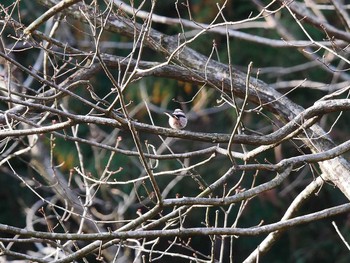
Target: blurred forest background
x,y
113,188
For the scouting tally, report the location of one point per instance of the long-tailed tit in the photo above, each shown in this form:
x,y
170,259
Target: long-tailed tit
x,y
177,120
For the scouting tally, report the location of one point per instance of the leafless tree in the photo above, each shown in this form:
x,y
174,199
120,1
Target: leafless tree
x,y
130,189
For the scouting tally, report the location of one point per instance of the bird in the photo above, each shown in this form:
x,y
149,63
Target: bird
x,y
177,119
